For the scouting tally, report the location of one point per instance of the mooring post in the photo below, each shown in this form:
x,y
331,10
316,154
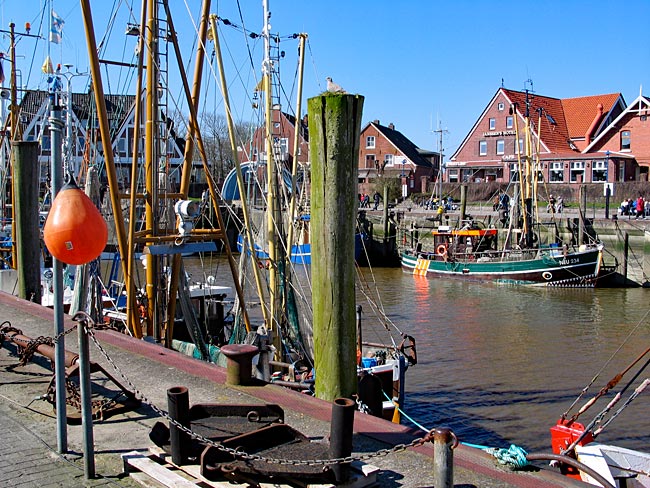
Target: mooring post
x,y
239,367
341,430
178,404
463,201
444,442
334,128
27,258
86,400
56,170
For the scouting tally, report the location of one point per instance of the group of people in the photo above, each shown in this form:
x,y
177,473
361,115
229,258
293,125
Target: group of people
x,y
555,204
639,208
364,200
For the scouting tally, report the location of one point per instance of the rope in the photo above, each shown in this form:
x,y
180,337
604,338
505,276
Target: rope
x,y
514,456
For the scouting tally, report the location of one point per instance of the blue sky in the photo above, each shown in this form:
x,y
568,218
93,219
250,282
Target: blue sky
x,y
420,64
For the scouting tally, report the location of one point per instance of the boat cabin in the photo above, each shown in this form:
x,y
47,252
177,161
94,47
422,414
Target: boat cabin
x,y
466,241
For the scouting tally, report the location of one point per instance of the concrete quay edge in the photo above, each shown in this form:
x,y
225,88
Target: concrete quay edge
x,y
153,369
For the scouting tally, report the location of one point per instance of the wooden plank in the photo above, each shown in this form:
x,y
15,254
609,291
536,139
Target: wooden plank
x,y
161,474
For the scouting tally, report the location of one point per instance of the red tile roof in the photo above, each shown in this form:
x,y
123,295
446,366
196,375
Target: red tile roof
x,y
553,126
581,111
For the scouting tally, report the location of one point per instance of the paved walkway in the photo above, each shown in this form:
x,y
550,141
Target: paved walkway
x,y
29,428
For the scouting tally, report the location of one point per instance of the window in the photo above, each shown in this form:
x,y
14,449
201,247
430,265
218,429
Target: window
x,y
514,172
557,172
388,159
501,146
598,171
520,149
121,146
370,142
493,123
370,160
500,106
452,176
625,140
509,122
577,173
482,148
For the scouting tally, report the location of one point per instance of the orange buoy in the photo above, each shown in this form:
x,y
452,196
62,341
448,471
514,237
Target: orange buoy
x,y
75,232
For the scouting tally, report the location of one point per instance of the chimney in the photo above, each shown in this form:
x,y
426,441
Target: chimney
x,y
391,126
592,127
376,121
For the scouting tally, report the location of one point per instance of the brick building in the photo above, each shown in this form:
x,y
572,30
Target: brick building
x,y
581,140
387,153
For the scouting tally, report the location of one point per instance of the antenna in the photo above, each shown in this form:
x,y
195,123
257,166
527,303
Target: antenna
x,y
440,131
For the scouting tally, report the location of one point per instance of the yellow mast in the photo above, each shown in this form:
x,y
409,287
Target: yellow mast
x,y
250,242
151,170
272,205
296,145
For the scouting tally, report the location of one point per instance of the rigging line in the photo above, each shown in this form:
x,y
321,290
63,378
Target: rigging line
x,y
40,33
313,62
250,54
593,380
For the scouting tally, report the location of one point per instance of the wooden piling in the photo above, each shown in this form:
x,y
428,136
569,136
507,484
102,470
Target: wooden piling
x,y
334,127
26,218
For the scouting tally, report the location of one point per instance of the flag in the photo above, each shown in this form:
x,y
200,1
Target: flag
x,y
56,28
47,67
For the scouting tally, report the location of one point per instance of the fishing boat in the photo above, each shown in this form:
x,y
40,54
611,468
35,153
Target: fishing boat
x,y
160,302
574,448
515,253
470,252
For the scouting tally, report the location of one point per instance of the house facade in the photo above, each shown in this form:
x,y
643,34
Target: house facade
x,y
84,146
386,153
578,140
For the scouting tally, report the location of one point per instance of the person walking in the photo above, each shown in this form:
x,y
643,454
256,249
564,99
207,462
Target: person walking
x,y
376,199
640,207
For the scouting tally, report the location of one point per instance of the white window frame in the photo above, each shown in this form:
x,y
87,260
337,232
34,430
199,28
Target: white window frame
x,y
501,146
510,120
575,168
370,142
389,159
482,148
493,123
501,106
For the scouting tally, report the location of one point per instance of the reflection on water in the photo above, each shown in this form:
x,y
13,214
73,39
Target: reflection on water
x,y
499,365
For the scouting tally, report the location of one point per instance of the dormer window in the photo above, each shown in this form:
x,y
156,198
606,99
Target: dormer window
x,y
370,142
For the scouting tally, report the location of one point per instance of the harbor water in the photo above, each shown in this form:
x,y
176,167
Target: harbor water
x,y
499,365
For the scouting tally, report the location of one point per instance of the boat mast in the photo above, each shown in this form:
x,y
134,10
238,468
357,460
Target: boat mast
x,y
273,217
151,172
296,145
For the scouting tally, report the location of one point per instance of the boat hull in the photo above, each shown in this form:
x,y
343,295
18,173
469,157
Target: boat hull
x,y
577,269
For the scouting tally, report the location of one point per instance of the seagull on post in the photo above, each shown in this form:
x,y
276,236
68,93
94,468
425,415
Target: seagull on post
x,y
333,87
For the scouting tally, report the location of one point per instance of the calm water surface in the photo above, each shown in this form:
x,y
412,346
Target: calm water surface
x,y
499,365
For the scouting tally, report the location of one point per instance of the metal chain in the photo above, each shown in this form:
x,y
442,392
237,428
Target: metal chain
x,y
29,347
239,454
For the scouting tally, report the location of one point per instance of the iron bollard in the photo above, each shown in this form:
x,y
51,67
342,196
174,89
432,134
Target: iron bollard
x,y
178,404
341,430
444,443
239,365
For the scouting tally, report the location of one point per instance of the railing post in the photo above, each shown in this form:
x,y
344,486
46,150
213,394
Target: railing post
x,y
444,442
341,430
178,404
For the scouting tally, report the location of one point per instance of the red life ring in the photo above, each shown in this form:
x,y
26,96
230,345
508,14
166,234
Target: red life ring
x,y
441,250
